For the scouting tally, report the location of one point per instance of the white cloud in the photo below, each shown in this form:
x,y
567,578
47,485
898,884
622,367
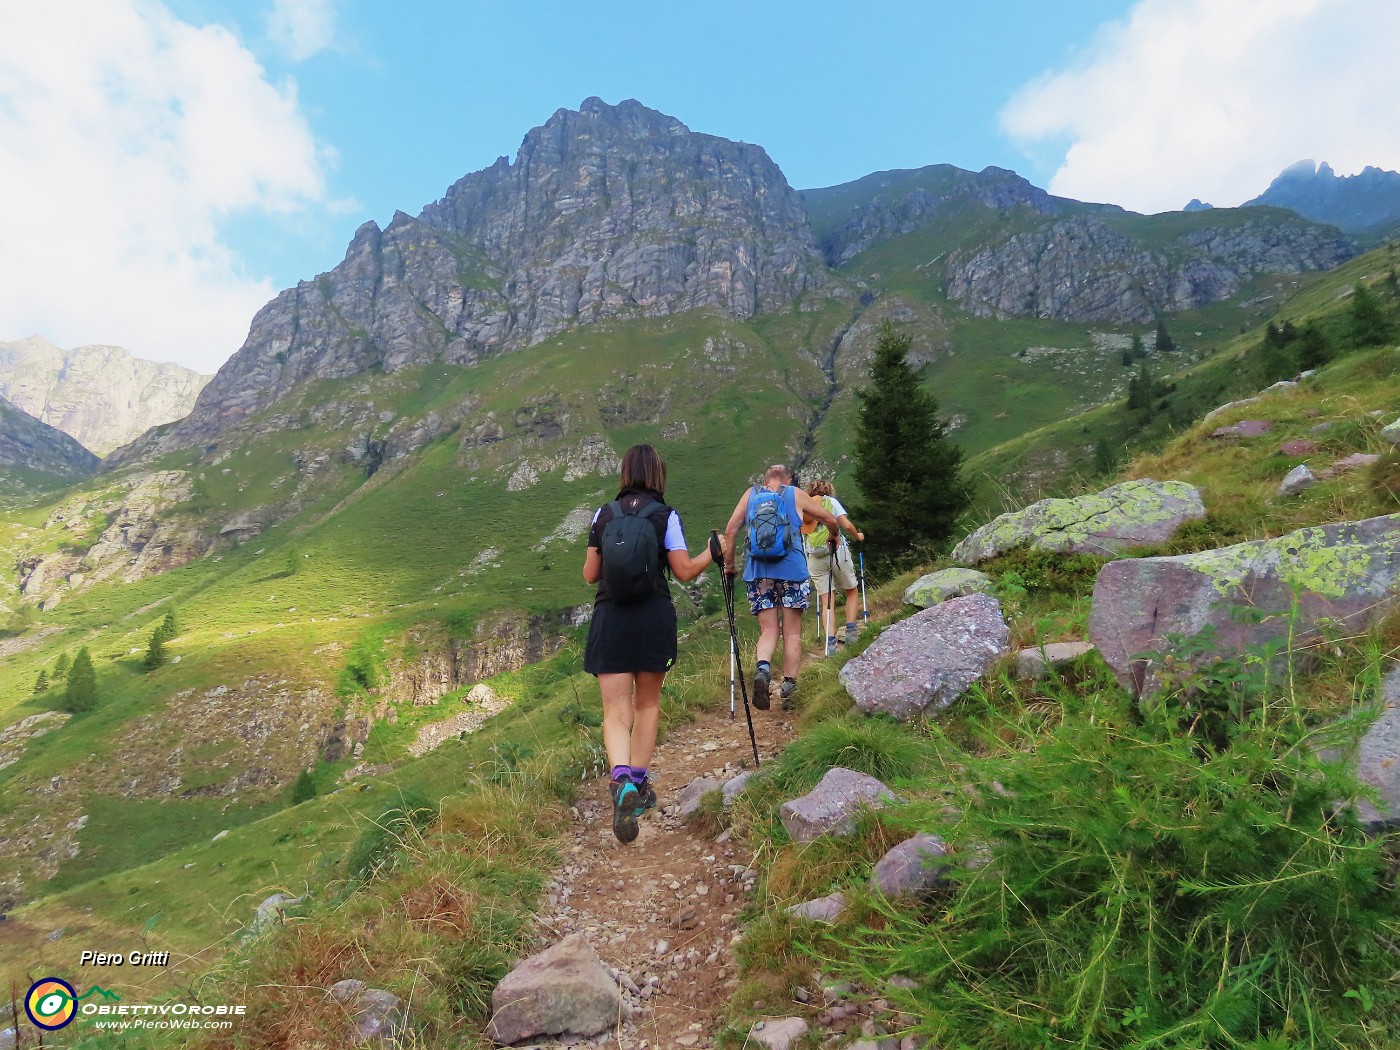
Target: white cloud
x,y
126,138
302,28
1213,98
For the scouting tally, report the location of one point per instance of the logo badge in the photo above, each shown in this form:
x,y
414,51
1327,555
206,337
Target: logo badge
x,y
51,1003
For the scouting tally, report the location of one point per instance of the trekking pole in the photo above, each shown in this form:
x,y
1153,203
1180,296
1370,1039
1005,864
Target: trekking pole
x,y
864,612
830,598
738,662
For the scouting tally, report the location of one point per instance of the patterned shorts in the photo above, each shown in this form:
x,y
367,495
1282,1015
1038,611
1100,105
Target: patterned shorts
x,y
769,594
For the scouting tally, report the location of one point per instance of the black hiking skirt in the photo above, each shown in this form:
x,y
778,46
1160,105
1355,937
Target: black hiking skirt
x,y
623,639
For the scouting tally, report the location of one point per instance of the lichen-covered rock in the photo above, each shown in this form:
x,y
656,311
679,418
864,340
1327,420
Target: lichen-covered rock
x,y
833,806
910,868
922,664
946,583
564,989
1036,663
1346,574
1129,514
1297,480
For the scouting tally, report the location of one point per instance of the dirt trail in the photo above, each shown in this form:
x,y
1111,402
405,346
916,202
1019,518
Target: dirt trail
x,y
662,910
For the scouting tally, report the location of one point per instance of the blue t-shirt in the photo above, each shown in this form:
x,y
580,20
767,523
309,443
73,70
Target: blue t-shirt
x,y
793,565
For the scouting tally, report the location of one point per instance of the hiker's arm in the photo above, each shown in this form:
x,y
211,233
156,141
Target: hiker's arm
x,y
851,530
812,507
592,565
684,567
731,531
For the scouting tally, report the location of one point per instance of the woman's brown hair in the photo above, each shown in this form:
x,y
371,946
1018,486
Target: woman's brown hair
x,y
820,487
643,468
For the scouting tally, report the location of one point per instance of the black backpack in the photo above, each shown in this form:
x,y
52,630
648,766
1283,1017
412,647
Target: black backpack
x,y
631,553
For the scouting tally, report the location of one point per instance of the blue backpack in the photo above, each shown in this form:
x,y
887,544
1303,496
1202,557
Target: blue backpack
x,y
770,531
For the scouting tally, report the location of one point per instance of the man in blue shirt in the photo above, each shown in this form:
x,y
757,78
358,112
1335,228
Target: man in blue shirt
x,y
775,577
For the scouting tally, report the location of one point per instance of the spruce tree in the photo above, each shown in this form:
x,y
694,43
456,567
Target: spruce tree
x,y
1136,348
168,628
908,472
1164,342
1314,348
41,684
60,667
155,652
1369,325
81,693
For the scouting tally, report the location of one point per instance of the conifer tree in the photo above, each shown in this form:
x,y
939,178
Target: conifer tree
x,y
168,628
155,652
1164,343
304,788
1369,325
1136,348
81,693
1314,348
41,684
908,472
60,667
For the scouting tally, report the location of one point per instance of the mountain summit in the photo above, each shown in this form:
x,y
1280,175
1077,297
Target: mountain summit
x,y
607,211
1367,203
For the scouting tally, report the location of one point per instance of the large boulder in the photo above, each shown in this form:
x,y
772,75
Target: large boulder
x,y
926,662
1129,514
833,806
1376,760
564,989
946,583
1345,574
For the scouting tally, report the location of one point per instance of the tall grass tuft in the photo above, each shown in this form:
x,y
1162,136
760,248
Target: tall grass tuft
x,y
877,746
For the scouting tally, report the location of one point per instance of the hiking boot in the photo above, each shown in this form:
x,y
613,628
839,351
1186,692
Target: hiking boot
x,y
761,678
626,798
832,642
852,632
788,688
646,796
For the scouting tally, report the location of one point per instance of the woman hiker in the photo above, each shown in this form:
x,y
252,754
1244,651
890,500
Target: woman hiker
x,y
632,638
831,570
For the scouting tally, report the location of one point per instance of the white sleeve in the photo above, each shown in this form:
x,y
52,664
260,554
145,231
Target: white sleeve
x,y
675,535
836,507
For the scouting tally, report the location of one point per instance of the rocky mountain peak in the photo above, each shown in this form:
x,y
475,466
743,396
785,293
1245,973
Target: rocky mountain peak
x,y
1367,203
606,211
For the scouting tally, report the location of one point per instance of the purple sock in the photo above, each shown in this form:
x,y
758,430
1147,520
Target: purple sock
x,y
621,772
639,776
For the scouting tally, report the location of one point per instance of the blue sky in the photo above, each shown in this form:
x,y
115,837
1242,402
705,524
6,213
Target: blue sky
x,y
167,165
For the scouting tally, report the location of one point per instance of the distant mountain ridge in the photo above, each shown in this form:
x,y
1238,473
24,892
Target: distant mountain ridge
x,y
100,395
1367,203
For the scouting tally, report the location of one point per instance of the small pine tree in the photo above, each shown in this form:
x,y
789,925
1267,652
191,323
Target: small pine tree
x,y
304,789
41,684
169,627
1127,358
1277,356
60,667
908,472
1141,389
1164,343
1314,348
1136,348
81,692
155,652
1369,325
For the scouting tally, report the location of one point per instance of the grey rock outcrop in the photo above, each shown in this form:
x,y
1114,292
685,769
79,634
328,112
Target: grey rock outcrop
x,y
910,868
564,989
101,396
1037,663
922,664
833,806
379,1017
608,211
944,584
1129,514
1377,761
35,445
1346,574
1085,268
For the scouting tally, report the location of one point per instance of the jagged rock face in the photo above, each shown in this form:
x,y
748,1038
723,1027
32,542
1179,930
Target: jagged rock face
x,y
1083,269
28,442
612,211
100,395
890,216
1368,201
